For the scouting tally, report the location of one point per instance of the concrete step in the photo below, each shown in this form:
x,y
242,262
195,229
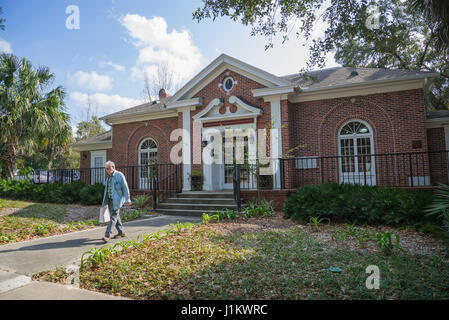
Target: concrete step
x,y
205,194
223,201
196,206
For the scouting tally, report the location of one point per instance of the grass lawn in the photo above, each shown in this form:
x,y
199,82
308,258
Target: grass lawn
x,y
23,220
261,258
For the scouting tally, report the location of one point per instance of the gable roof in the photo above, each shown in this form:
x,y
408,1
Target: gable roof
x,y
321,80
101,140
339,76
229,62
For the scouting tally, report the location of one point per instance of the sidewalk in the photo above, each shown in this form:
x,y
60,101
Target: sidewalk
x,y
18,261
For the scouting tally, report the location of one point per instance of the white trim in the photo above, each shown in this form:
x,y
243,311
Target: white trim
x,y
236,101
355,174
210,170
186,149
214,103
231,63
276,139
143,116
357,89
264,92
253,111
92,146
185,103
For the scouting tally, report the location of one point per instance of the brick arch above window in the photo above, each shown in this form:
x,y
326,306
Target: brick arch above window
x,y
378,120
142,133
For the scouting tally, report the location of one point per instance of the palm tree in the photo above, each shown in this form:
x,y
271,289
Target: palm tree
x,y
27,113
437,12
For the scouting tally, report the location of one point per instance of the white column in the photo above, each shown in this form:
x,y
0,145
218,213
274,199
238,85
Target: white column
x,y
276,137
186,149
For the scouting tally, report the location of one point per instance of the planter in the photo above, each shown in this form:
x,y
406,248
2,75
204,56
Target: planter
x,y
196,183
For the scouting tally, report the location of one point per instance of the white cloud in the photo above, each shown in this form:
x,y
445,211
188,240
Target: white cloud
x,y
158,46
92,81
101,104
5,46
117,67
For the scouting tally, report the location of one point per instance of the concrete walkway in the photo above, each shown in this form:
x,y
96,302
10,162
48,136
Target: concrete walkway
x,y
18,261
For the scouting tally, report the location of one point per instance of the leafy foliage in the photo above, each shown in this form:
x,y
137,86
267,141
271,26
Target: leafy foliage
x,y
74,192
385,242
402,36
92,194
358,204
440,207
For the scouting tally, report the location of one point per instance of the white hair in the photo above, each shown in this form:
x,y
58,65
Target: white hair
x,y
110,163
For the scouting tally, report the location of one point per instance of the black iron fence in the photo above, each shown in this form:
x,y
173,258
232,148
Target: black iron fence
x,y
411,169
163,180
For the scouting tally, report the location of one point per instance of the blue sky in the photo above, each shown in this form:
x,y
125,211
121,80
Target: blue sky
x,y
118,40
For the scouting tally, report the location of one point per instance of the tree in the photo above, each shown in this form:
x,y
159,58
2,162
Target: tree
x,y
361,33
88,128
162,77
28,114
437,13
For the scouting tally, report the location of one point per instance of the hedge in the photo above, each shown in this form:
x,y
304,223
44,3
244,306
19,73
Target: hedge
x,y
74,192
359,204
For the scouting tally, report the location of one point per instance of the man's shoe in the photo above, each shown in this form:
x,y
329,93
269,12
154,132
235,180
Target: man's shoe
x,y
106,239
119,235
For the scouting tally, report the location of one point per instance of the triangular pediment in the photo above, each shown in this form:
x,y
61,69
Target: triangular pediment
x,y
218,66
237,108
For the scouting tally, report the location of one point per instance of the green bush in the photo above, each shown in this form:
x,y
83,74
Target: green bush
x,y
358,204
258,207
51,193
92,194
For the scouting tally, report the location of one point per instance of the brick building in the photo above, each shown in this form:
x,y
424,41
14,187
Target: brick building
x,y
358,125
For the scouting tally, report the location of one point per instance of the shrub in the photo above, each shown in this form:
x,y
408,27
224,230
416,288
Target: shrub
x,y
141,201
92,194
258,207
358,204
440,207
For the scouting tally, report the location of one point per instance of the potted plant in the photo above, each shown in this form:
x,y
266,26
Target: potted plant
x,y
196,180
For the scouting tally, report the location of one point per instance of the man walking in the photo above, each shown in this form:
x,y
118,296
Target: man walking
x,y
116,193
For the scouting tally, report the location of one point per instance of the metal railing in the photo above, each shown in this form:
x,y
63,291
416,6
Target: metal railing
x,y
163,180
408,169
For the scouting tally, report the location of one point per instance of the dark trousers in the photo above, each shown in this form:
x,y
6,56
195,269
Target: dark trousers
x,y
115,220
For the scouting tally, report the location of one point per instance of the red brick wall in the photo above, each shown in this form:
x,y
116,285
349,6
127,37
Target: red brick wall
x,y
396,118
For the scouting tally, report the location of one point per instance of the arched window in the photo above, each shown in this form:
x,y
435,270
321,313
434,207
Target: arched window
x,y
147,162
355,140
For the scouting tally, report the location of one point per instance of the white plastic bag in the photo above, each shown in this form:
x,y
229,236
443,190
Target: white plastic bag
x,y
105,216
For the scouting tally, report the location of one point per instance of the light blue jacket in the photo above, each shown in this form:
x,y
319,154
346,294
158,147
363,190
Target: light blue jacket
x,y
120,191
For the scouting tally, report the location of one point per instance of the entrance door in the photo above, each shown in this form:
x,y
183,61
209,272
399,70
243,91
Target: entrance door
x,y
98,160
356,160
228,168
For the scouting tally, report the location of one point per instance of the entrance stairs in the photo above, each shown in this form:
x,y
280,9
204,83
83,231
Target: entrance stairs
x,y
195,203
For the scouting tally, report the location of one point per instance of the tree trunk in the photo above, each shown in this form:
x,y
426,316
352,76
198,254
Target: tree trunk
x,y
9,159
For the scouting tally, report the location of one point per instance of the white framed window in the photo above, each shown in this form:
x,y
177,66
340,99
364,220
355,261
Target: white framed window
x,y
147,162
355,147
228,84
306,163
